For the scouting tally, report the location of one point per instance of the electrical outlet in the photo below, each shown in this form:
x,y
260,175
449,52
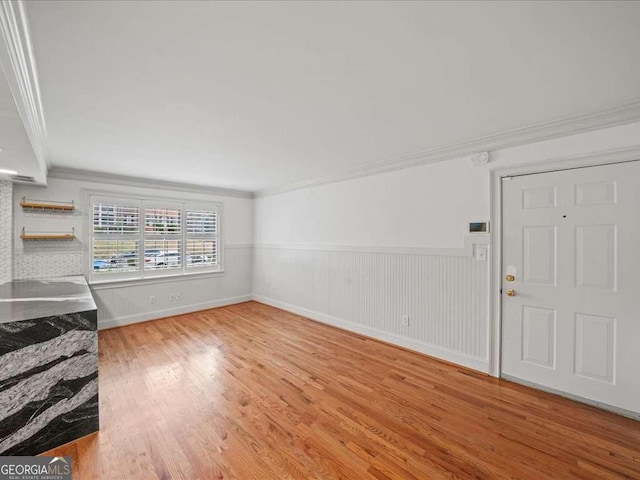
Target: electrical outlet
x,y
152,299
405,320
178,296
172,297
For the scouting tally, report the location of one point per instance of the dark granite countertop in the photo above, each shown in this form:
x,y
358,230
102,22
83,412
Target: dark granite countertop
x,y
44,297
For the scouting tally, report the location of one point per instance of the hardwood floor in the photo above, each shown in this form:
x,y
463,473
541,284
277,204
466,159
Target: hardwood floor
x,y
252,392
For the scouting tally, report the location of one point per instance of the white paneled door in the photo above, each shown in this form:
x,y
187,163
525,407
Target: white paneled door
x,y
571,282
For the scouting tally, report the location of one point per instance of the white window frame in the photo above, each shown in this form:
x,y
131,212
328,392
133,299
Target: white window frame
x,y
143,202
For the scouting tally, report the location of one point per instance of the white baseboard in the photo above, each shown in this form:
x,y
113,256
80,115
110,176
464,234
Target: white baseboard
x,y
168,312
474,363
594,403
479,364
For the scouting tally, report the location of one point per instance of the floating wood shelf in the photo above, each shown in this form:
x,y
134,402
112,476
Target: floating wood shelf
x,y
45,205
48,235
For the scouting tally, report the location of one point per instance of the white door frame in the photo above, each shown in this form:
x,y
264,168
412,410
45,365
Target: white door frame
x,y
495,190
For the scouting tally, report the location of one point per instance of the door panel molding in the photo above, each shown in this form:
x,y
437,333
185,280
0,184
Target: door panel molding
x,y
600,332
568,322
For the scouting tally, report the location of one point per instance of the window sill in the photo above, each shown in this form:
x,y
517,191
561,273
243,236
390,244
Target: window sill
x,y
130,282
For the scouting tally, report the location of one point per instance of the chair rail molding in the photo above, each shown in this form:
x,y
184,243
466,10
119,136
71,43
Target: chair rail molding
x,y
466,251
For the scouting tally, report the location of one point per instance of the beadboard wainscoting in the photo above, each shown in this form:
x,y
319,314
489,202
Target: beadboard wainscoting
x,y
122,303
368,290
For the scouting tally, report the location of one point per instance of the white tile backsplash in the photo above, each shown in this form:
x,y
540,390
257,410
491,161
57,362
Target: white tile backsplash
x,y
6,224
46,264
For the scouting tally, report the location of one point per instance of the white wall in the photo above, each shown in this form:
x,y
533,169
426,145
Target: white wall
x,y
340,252
358,254
124,303
427,206
407,208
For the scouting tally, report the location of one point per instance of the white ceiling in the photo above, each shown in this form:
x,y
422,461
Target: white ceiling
x,y
256,95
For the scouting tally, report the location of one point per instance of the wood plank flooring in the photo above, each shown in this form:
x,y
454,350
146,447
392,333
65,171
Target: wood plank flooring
x,y
252,392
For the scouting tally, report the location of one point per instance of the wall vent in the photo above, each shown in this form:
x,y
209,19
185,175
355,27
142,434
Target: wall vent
x,y
23,179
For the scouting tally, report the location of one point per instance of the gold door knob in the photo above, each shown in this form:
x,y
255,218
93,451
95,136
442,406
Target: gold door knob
x,y
510,278
511,292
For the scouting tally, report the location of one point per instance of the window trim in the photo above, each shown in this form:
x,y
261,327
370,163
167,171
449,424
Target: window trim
x,y
150,201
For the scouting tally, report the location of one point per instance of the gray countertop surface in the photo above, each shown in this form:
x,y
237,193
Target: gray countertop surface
x,y
44,297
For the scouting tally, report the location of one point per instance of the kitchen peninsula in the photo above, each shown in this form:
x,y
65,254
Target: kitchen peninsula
x,y
48,364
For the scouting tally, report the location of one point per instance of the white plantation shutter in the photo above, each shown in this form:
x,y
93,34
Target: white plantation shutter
x,y
115,219
168,238
115,246
202,238
201,222
162,221
162,238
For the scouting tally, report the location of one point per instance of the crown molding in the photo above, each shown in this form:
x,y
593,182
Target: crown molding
x,y
113,179
18,61
512,138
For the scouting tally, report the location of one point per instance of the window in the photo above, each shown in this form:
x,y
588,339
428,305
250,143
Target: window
x,y
162,238
116,237
141,238
202,238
